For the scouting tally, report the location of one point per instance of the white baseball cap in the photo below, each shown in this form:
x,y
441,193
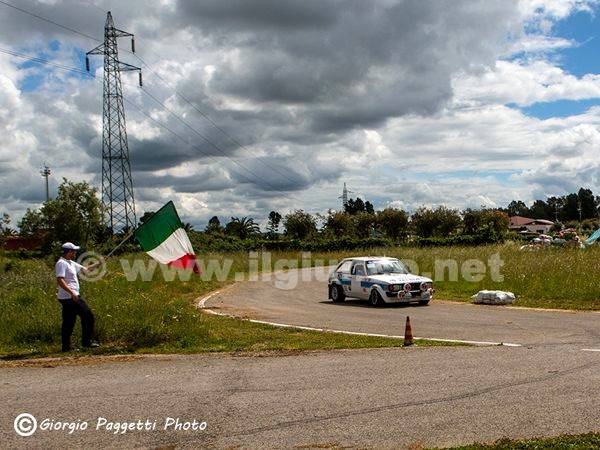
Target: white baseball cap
x,y
69,246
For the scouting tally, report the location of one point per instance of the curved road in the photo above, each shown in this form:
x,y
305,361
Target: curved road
x,y
372,398
306,304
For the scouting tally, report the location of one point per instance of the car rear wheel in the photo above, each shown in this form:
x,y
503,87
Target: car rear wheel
x,y
336,293
375,299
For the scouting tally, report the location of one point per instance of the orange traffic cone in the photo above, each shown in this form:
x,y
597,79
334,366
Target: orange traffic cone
x,y
408,337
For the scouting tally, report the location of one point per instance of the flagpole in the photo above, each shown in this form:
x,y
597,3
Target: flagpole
x,y
121,243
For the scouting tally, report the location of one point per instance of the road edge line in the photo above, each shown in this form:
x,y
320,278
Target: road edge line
x,y
201,304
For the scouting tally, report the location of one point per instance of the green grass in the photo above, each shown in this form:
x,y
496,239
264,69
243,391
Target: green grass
x,y
565,442
139,316
159,316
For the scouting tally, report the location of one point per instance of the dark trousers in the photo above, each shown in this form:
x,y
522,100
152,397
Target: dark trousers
x,y
70,310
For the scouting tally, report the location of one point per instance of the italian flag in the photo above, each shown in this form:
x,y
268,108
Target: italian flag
x,y
164,239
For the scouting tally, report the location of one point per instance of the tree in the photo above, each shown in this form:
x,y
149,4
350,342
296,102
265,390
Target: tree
x,y
274,221
539,210
339,224
74,215
555,206
31,223
517,208
369,208
363,224
214,226
188,227
5,229
570,209
587,203
485,221
393,222
439,222
299,224
242,228
146,216
354,206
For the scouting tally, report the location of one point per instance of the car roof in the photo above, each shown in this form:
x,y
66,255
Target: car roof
x,y
369,258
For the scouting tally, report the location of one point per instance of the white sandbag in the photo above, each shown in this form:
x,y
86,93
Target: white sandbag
x,y
493,298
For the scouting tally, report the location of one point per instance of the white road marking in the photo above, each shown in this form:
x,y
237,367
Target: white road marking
x,y
590,349
203,300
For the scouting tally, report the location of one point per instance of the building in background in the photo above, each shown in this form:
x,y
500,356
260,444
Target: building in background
x,y
520,224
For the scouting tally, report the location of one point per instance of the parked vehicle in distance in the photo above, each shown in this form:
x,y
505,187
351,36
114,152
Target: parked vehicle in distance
x,y
379,280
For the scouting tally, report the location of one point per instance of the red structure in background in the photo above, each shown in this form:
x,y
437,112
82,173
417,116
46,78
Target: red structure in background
x,y
22,243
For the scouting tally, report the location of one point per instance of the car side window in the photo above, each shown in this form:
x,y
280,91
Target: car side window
x,y
358,269
344,267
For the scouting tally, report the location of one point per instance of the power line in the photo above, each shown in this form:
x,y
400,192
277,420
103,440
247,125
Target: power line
x,y
37,16
208,141
180,95
43,61
199,149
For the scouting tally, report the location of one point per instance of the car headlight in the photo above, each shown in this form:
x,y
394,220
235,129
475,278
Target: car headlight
x,y
426,285
394,287
407,287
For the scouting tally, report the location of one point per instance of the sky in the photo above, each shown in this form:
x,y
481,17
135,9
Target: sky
x,y
274,104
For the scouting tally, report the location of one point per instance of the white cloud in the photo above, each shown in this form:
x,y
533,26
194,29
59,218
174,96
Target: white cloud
x,y
407,105
525,82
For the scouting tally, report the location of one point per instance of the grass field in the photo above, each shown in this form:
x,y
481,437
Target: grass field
x,y
159,316
560,278
141,316
566,442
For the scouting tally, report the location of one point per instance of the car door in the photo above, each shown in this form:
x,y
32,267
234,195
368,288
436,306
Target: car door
x,y
344,276
358,277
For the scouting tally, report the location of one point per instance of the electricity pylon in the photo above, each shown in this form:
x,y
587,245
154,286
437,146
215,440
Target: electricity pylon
x,y
344,196
45,172
117,186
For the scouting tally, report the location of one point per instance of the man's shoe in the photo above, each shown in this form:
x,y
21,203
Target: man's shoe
x,y
92,345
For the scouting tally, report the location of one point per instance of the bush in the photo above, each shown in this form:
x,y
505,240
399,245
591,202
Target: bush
x,y
393,223
299,225
339,224
590,225
487,237
437,222
203,243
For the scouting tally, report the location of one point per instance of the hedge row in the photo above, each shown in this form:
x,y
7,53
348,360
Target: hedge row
x,y
220,244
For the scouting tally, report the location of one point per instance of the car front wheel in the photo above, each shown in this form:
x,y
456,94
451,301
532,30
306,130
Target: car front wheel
x,y
375,299
337,294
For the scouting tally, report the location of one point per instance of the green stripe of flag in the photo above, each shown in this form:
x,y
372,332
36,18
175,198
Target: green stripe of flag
x,y
158,228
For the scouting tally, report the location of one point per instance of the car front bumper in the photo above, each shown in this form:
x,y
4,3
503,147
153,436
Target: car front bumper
x,y
407,297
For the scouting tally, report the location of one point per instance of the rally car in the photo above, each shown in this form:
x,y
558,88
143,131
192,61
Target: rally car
x,y
379,280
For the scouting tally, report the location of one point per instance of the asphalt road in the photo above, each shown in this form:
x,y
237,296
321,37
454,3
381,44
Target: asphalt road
x,y
380,398
307,305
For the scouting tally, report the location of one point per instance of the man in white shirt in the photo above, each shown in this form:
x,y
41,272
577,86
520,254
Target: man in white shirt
x,y
72,303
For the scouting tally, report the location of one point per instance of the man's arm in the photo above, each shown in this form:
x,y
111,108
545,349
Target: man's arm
x,y
62,283
86,269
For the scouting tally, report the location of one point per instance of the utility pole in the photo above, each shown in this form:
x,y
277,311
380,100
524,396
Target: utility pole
x,y
117,186
344,196
45,172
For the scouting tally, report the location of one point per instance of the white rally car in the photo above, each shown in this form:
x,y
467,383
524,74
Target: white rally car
x,y
379,280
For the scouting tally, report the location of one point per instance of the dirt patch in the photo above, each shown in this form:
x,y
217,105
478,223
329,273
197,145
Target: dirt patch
x,y
77,360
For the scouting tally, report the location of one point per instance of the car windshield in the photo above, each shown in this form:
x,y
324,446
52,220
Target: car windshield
x,y
381,267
